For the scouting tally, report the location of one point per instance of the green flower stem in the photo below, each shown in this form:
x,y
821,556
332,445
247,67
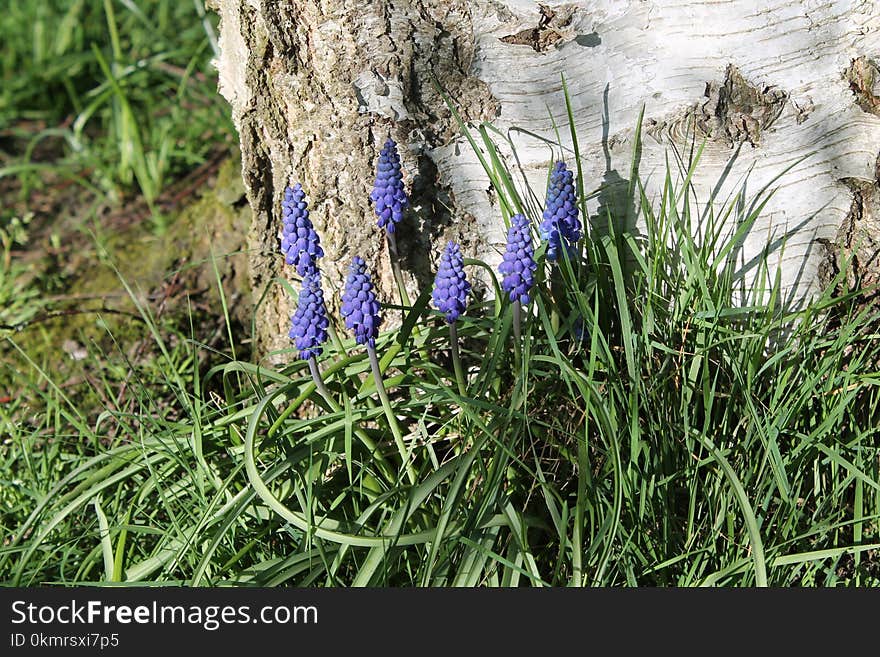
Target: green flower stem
x,y
389,413
395,268
517,335
557,292
517,323
368,442
401,288
319,382
456,359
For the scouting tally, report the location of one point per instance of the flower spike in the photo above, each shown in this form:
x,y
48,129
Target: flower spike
x,y
451,287
560,226
299,241
359,306
388,195
518,265
309,323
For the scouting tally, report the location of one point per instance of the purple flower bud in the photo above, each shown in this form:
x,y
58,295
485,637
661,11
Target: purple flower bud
x,y
451,288
309,323
359,306
518,265
388,195
299,241
560,225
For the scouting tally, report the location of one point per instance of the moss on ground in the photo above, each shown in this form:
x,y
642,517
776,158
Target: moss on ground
x,y
88,327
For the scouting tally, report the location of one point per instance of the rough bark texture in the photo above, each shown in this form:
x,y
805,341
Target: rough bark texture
x,y
316,87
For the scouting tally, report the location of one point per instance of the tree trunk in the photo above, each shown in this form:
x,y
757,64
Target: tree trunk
x,y
316,87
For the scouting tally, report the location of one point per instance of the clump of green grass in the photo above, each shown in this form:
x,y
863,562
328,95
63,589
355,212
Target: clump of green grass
x,y
104,105
116,95
18,300
662,423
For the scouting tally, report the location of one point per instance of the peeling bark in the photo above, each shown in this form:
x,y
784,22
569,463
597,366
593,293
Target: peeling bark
x,y
733,112
316,87
864,81
554,27
856,248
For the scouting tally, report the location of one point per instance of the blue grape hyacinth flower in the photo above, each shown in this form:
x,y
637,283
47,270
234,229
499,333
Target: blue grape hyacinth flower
x,y
299,241
560,226
309,323
360,309
389,197
451,287
518,265
361,313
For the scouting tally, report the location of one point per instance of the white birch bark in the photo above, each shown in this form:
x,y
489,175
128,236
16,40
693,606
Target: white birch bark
x,y
315,88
